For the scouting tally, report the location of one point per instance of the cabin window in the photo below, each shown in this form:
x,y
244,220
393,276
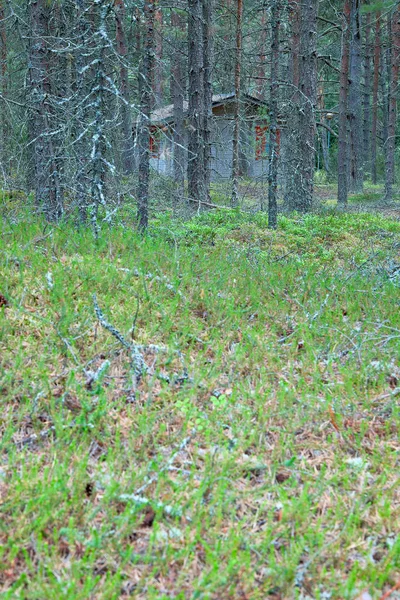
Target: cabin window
x,y
261,141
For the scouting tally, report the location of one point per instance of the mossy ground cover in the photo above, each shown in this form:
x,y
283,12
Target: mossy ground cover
x,y
258,456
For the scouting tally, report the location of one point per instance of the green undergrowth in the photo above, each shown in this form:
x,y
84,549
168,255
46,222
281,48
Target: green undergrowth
x,y
329,237
258,455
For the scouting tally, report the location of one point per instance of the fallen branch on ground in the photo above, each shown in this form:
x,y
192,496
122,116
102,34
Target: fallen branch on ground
x,y
139,365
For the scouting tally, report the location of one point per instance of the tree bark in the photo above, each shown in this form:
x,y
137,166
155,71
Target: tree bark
x,y
126,115
273,117
393,93
47,185
343,108
3,90
82,90
302,161
375,90
294,20
196,187
367,92
146,103
178,92
208,52
260,82
324,133
236,124
355,104
158,65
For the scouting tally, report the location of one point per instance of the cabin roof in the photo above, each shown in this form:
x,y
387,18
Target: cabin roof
x,y
165,114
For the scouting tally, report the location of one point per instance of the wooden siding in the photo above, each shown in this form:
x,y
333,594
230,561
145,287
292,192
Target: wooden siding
x,y
252,166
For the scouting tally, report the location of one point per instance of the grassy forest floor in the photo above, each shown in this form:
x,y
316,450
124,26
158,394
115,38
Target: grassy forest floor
x,y
241,441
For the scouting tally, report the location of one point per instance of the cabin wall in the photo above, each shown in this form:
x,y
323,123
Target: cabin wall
x,y
221,150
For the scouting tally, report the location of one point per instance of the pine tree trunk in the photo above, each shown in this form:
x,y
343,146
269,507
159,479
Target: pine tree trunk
x,y
355,105
367,92
302,163
291,99
323,133
126,115
294,19
158,65
384,83
47,186
196,188
390,145
375,90
273,117
260,82
208,52
178,92
236,125
146,103
3,91
343,108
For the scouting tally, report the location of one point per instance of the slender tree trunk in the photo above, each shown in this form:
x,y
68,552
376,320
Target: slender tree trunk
x,y
393,94
302,162
178,93
355,105
158,65
273,117
384,83
375,90
288,160
261,68
3,90
367,92
323,132
146,104
196,188
82,90
208,53
126,114
236,125
343,108
98,141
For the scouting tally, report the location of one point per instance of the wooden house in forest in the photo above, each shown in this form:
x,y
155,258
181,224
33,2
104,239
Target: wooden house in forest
x,y
253,137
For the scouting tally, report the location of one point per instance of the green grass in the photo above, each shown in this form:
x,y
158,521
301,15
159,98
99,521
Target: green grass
x,y
270,472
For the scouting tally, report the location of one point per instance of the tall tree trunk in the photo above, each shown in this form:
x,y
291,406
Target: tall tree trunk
x,y
375,90
384,82
126,115
324,132
260,82
367,92
236,125
178,93
355,105
98,141
390,145
291,99
196,188
294,19
208,57
82,90
146,103
302,163
158,65
273,117
47,186
3,90
343,108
